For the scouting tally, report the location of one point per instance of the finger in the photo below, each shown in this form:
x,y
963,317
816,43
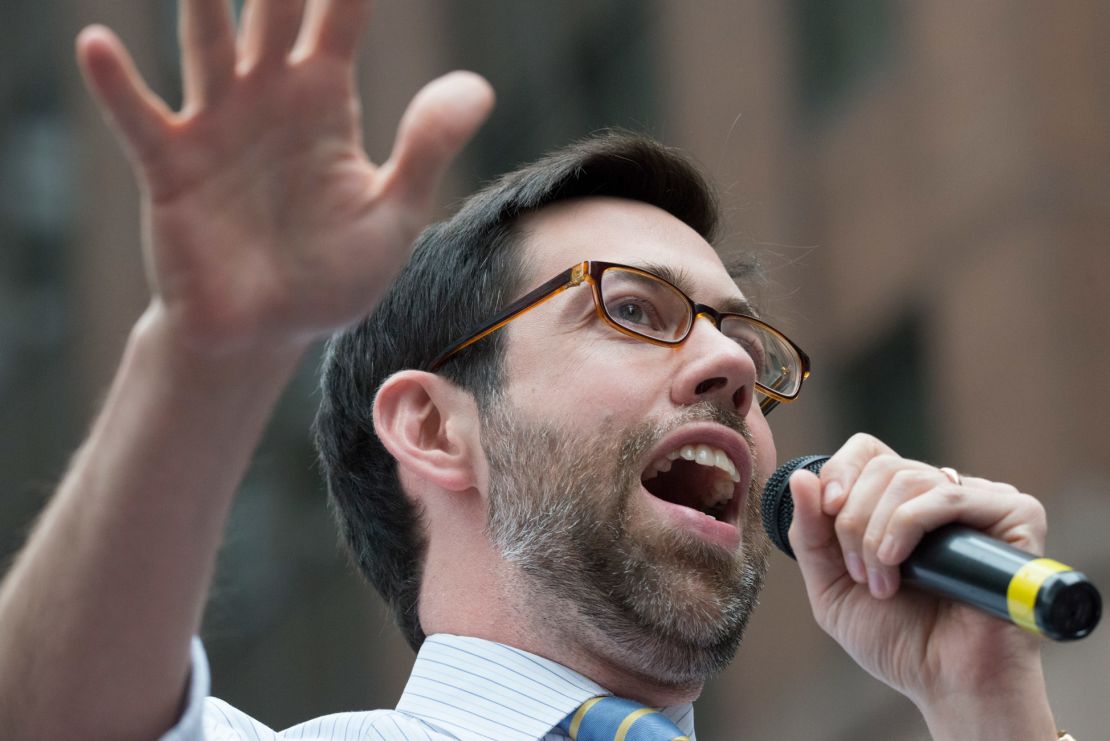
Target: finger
x,y
905,484
138,115
207,49
840,472
439,121
871,484
813,538
269,29
1015,518
980,483
334,27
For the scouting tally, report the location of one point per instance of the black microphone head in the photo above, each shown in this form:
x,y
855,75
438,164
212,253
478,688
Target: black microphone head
x,y
1068,606
777,505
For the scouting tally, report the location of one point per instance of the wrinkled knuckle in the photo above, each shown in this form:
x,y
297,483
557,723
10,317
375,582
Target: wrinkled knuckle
x,y
1033,512
889,462
1027,538
871,542
952,495
850,526
901,520
910,479
1031,503
878,464
862,438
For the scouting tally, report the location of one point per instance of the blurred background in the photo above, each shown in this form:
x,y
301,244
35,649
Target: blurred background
x,y
926,184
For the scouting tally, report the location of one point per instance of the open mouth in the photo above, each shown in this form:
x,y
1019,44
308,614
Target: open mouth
x,y
699,476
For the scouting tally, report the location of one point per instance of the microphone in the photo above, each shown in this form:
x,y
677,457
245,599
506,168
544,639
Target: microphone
x,y
1038,594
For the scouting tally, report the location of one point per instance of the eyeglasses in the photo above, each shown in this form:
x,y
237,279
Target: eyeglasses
x,y
642,305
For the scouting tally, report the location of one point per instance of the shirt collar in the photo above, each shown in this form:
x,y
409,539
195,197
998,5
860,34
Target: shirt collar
x,y
478,689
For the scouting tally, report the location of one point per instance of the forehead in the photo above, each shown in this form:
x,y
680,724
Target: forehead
x,y
628,232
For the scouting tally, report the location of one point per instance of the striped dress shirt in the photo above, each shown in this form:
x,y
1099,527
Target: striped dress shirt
x,y
460,688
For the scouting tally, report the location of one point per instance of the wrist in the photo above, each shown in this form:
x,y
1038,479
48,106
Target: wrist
x,y
1017,711
196,402
193,357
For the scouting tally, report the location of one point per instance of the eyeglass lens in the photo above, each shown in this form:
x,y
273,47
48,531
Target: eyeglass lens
x,y
648,306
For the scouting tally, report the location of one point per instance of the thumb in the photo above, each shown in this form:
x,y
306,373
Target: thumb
x,y
439,121
813,538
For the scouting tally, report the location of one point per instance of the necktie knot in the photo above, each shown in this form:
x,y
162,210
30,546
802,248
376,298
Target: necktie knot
x,y
609,718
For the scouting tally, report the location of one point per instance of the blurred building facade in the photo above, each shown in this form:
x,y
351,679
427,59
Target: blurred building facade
x,y
926,185
930,183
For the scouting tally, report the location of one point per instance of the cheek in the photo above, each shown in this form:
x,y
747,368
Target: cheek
x,y
766,454
583,376
573,394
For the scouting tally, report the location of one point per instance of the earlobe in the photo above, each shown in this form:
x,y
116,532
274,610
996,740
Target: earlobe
x,y
429,425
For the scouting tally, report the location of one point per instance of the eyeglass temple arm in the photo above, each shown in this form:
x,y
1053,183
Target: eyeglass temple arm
x,y
767,404
567,279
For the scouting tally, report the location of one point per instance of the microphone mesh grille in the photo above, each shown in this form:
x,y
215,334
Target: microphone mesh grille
x,y
777,505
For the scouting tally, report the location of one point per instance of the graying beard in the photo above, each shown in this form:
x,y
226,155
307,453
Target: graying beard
x,y
548,528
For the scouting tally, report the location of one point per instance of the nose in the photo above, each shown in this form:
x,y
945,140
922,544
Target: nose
x,y
714,368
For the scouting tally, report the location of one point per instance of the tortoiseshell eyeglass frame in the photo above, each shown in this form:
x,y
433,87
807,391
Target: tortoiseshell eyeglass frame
x,y
590,271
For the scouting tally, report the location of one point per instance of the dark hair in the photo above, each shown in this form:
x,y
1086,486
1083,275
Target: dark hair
x,y
462,271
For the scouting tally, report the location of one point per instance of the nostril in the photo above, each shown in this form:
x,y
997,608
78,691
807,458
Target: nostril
x,y
709,385
739,397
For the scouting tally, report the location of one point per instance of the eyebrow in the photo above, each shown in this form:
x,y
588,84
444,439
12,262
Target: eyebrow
x,y
680,279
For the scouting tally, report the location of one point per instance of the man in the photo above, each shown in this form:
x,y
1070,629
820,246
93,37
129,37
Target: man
x,y
509,480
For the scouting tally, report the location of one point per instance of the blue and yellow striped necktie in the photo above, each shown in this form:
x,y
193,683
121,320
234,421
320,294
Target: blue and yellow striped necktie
x,y
609,718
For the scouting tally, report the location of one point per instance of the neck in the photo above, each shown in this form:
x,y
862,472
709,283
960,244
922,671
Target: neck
x,y
485,602
469,589
597,657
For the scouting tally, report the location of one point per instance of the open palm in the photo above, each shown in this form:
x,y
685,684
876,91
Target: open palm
x,y
265,220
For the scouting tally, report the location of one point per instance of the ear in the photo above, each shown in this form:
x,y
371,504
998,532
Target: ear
x,y
430,426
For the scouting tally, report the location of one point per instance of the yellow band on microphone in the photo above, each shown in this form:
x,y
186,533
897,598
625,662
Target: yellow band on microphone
x,y
1021,595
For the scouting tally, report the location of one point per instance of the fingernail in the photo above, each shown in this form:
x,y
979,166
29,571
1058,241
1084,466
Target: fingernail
x,y
877,580
833,492
886,549
855,568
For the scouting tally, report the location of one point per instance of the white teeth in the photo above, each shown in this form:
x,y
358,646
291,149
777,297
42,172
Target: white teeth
x,y
703,455
722,462
660,466
720,493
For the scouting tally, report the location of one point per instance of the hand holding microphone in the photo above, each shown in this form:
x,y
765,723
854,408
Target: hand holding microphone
x,y
1038,594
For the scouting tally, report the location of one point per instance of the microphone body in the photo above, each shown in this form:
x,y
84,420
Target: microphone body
x,y
1038,594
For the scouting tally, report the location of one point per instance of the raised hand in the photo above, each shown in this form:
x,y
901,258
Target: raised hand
x,y
854,526
265,226
265,222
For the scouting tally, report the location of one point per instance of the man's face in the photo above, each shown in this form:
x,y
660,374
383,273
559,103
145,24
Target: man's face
x,y
654,560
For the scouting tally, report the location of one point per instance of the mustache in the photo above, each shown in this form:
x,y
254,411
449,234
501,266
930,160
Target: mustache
x,y
704,411
641,440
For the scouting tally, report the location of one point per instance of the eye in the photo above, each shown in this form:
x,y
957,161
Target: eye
x,y
748,337
635,312
754,348
644,304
